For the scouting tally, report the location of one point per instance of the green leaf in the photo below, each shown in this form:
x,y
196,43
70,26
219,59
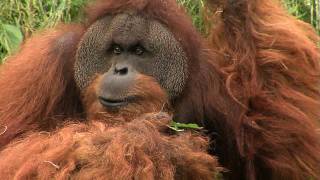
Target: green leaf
x,y
13,36
181,126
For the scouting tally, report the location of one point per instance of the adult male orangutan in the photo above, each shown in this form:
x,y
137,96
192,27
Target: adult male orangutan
x,y
253,84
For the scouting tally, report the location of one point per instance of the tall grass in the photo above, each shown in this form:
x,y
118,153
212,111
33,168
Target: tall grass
x,y
20,18
307,10
196,11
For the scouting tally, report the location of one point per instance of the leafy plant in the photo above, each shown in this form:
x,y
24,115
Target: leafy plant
x,y
10,39
196,9
179,127
20,18
306,10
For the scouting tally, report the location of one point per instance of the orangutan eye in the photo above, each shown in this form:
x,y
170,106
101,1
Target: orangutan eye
x,y
116,49
138,50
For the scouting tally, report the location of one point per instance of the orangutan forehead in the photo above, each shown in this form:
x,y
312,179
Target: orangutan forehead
x,y
128,27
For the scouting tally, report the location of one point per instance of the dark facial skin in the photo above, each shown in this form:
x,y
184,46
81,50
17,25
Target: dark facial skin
x,y
122,46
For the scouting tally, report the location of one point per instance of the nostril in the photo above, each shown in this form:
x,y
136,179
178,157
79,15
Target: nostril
x,y
122,71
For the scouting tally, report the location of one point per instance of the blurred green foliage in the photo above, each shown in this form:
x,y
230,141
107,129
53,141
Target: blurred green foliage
x,y
307,10
197,11
19,18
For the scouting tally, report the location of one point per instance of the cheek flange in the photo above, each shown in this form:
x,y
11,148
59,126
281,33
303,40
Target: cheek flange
x,y
170,67
91,56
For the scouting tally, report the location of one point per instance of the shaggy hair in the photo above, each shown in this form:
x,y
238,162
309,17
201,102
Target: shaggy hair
x,y
271,66
125,143
97,150
254,86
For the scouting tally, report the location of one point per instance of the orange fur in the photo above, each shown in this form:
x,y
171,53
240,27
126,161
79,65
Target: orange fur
x,y
130,143
135,150
36,85
255,87
150,98
271,67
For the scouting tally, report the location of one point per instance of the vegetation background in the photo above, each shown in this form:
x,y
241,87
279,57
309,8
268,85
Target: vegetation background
x,y
20,18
